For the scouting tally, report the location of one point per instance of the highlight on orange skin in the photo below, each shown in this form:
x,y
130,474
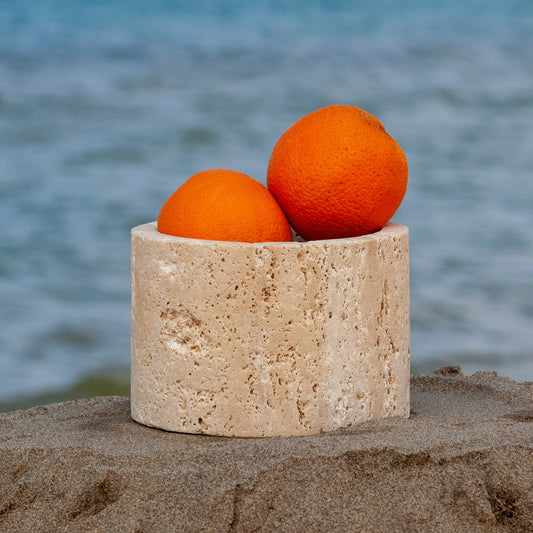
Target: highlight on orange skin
x,y
224,205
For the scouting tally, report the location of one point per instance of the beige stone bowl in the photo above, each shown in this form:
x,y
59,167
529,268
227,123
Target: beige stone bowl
x,y
269,339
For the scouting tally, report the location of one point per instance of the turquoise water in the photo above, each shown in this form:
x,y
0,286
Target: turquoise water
x,y
106,107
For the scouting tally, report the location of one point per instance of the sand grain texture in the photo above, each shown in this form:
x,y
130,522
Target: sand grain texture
x,y
462,462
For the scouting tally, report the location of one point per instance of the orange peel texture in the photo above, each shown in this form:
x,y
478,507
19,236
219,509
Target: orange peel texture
x,y
337,173
224,205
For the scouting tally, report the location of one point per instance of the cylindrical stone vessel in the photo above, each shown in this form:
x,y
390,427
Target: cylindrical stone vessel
x,y
269,339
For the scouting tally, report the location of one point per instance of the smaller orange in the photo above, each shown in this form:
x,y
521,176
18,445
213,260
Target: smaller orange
x,y
224,205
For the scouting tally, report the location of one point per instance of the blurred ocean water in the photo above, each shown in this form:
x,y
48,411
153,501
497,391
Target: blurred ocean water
x,y
107,107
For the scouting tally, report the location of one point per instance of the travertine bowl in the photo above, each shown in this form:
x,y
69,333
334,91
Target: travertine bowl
x,y
269,339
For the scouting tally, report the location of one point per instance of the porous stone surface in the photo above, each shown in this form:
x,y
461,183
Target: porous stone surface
x,y
265,339
462,462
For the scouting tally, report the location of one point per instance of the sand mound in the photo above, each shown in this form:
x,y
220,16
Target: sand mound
x,y
462,462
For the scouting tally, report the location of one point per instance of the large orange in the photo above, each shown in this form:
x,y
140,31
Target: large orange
x,y
224,205
337,173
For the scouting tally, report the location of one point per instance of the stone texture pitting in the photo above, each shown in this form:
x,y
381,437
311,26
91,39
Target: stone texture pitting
x,y
269,339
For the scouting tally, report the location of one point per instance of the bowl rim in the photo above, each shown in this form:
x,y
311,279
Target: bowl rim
x,y
149,230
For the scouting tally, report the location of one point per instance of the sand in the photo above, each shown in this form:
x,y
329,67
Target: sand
x,y
463,461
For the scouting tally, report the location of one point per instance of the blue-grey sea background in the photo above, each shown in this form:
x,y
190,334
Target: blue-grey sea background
x,y
106,107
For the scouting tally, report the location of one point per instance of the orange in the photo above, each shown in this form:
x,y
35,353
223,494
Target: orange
x,y
337,173
224,205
